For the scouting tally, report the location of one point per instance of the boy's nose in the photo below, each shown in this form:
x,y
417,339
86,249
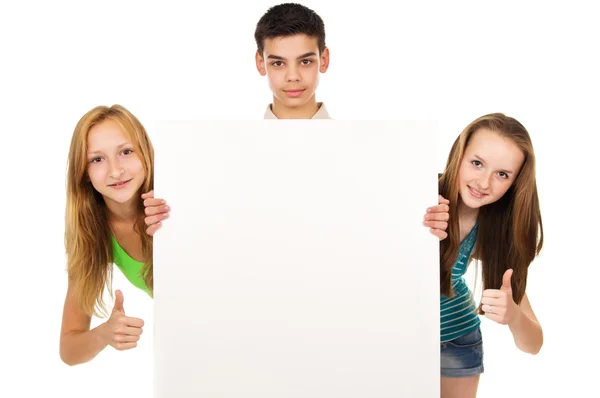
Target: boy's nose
x,y
292,75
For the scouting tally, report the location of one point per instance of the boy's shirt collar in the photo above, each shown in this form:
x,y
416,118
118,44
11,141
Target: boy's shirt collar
x,y
321,113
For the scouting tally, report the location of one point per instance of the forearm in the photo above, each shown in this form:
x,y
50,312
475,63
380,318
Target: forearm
x,y
527,333
79,347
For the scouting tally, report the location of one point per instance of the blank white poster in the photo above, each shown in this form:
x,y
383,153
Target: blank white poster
x,y
295,262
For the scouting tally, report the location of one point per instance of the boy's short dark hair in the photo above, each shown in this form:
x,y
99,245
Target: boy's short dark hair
x,y
289,19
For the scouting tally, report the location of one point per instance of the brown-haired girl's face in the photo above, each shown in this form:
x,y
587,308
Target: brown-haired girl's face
x,y
489,167
114,169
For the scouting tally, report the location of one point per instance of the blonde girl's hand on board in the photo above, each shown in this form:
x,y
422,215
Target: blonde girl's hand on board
x,y
156,210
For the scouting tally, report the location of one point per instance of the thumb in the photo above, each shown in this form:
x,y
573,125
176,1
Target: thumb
x,y
506,280
118,307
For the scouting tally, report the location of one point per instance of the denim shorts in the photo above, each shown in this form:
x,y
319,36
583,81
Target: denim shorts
x,y
463,356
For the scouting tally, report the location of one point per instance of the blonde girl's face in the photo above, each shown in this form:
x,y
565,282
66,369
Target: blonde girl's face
x,y
489,167
113,166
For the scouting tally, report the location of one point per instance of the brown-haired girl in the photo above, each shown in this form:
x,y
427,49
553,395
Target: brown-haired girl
x,y
494,218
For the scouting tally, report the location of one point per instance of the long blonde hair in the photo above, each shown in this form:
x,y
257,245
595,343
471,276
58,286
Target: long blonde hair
x,y
510,232
87,231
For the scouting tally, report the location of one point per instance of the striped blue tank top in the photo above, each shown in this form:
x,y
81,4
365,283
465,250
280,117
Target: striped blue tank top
x,y
458,314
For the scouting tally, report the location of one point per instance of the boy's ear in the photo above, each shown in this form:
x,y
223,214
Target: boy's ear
x,y
324,61
260,64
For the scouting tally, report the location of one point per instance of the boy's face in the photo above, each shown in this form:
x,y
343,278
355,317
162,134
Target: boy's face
x,y
292,65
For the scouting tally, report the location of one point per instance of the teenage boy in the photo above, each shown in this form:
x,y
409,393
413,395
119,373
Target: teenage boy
x,y
291,52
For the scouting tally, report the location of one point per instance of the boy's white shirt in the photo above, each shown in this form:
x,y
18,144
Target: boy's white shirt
x,y
321,113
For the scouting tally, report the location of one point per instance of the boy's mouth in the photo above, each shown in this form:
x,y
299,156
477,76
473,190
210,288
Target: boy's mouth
x,y
294,92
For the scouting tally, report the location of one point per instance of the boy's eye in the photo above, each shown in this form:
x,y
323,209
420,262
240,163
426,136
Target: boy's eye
x,y
306,61
277,63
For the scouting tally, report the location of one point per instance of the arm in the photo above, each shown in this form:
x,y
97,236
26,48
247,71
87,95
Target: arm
x,y
526,329
78,344
499,306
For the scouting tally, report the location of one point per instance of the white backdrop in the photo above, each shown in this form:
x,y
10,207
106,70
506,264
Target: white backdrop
x,y
451,61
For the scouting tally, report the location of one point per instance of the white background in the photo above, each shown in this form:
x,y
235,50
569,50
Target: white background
x,y
450,61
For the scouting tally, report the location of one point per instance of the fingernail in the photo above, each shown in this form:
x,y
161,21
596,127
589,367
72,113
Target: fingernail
x,y
163,201
167,208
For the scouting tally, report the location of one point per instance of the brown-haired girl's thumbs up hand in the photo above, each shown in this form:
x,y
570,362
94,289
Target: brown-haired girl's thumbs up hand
x,y
498,304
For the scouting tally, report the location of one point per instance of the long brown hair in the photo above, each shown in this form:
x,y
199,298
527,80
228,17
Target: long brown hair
x,y
510,232
87,231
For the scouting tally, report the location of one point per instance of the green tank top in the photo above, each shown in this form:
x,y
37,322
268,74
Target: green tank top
x,y
129,267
